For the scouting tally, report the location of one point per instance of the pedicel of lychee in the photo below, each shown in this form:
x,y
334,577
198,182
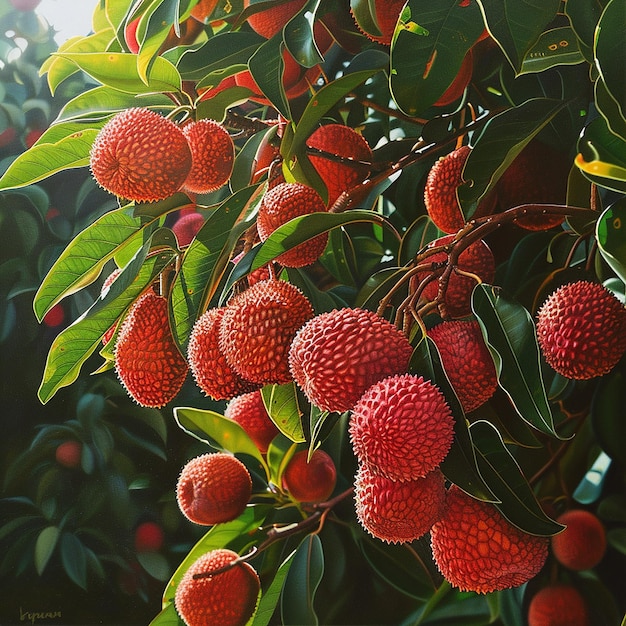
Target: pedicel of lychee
x,y
581,546
558,605
249,411
213,488
310,480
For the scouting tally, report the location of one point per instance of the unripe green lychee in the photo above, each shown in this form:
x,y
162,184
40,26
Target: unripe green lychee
x,y
582,544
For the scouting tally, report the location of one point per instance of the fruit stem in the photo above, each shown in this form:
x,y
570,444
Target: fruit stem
x,y
433,601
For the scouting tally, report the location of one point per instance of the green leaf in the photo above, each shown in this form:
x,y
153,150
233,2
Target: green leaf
x,y
609,109
610,237
74,559
44,547
281,402
266,66
119,71
299,39
509,333
167,617
302,582
271,595
155,564
557,46
503,475
584,16
606,417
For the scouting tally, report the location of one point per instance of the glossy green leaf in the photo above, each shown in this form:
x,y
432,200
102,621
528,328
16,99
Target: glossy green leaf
x,y
281,402
155,564
609,109
302,582
606,415
298,37
517,24
509,333
365,16
74,559
271,596
610,229
44,547
584,16
557,46
279,453
266,66
503,475
589,489
43,160
167,617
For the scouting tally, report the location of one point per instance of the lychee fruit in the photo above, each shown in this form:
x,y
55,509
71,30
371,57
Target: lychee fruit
x,y
203,10
147,360
440,193
477,549
186,227
212,156
249,411
398,512
310,480
227,597
581,328
69,453
344,161
271,21
402,427
281,204
55,316
258,327
476,259
213,488
558,605
337,355
208,364
466,360
582,544
149,537
387,14
140,155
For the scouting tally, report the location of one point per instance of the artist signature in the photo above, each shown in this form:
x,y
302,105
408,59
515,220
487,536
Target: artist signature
x,y
33,617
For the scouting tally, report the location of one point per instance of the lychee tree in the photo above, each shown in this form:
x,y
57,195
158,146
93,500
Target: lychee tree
x,y
442,196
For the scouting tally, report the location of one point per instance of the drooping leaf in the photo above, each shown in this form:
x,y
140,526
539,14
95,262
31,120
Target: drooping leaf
x,y
271,596
266,66
299,39
584,16
281,403
74,559
609,109
167,617
44,547
610,229
557,46
606,418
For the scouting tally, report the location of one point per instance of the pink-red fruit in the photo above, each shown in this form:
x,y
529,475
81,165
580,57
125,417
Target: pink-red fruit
x,y
186,227
148,537
558,605
213,594
68,454
249,411
269,22
581,330
402,427
310,480
213,488
582,544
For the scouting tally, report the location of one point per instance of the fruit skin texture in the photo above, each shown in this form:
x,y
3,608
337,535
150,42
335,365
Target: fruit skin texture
x,y
186,227
398,512
213,488
477,259
140,155
581,328
477,549
147,360
228,598
558,605
467,361
258,327
582,544
208,364
440,194
250,413
282,203
310,481
212,156
68,454
271,21
344,142
337,355
387,14
402,427
148,537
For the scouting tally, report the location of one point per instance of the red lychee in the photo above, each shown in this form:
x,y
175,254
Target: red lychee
x,y
581,329
582,544
271,21
387,14
213,488
398,512
226,598
203,10
69,453
140,155
249,411
282,203
476,259
148,537
310,480
402,427
349,161
477,549
212,156
208,364
258,327
467,361
55,316
440,194
186,227
337,355
558,605
147,360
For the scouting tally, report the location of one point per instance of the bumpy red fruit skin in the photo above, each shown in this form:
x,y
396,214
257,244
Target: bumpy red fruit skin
x,y
147,360
213,488
212,156
270,21
249,411
582,544
558,605
68,454
186,227
581,330
282,203
387,14
398,512
402,427
140,155
148,537
227,598
258,327
208,364
467,361
440,194
310,481
337,355
344,142
477,259
477,549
